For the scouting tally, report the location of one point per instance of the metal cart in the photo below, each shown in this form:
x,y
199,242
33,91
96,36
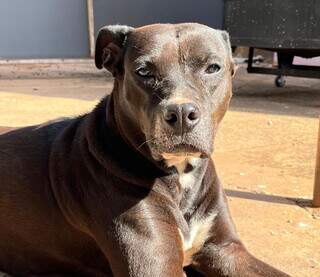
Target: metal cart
x,y
288,27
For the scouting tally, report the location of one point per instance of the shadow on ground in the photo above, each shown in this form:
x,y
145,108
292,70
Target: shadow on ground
x,y
269,198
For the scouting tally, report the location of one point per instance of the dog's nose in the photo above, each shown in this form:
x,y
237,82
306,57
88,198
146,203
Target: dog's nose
x,y
182,117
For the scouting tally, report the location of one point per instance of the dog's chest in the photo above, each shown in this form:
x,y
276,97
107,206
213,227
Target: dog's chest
x,y
199,226
196,235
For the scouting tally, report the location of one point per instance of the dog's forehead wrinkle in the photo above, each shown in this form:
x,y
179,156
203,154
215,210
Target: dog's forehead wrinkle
x,y
158,34
199,34
181,37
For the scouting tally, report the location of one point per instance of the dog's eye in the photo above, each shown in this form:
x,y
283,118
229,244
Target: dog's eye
x,y
147,76
145,73
213,68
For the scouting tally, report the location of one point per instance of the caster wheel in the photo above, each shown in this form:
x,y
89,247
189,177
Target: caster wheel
x,y
280,81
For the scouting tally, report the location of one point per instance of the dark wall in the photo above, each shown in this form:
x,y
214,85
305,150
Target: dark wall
x,y
274,24
142,12
43,29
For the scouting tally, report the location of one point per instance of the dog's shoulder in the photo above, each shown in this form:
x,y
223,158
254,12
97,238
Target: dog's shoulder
x,y
33,134
32,143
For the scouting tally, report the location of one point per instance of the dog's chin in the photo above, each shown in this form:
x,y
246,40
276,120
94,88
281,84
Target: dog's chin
x,y
178,152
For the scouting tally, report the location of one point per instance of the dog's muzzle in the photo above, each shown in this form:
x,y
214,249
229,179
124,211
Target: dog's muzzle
x,y
181,118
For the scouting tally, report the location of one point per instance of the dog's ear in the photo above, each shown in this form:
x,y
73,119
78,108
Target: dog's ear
x,y
109,47
226,40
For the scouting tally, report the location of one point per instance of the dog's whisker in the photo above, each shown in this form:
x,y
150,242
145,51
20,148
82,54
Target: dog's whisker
x,y
145,143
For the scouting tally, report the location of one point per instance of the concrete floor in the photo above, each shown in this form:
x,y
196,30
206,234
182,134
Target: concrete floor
x,y
265,149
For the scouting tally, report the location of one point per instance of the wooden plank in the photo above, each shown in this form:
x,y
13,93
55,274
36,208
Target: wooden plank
x,y
316,190
91,27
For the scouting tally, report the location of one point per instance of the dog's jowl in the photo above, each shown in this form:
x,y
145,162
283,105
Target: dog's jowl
x,y
129,189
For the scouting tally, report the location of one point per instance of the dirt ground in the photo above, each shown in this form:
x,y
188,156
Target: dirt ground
x,y
265,149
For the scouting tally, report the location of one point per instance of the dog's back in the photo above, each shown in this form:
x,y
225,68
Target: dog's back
x,y
4,129
33,231
23,161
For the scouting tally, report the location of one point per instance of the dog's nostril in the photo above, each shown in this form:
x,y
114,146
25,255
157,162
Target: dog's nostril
x,y
171,117
193,116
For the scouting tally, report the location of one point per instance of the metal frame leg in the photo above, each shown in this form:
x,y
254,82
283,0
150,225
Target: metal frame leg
x,y
250,58
316,189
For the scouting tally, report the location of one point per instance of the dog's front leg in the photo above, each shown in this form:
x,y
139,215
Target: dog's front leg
x,y
233,260
224,254
141,243
132,253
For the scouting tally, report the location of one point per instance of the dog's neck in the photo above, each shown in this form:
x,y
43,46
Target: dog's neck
x,y
119,119
109,148
126,129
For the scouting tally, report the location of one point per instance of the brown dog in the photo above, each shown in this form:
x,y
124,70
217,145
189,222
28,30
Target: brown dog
x,y
129,189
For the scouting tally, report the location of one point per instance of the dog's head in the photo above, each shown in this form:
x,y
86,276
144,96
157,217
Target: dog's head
x,y
173,83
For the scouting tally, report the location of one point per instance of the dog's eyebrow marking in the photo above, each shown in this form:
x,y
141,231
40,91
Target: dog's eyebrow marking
x,y
144,60
207,57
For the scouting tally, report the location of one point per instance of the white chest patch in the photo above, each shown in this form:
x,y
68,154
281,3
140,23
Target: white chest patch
x,y
187,179
199,228
181,161
199,232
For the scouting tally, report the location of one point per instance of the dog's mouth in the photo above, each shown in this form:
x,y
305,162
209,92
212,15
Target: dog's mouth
x,y
173,159
178,151
181,148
